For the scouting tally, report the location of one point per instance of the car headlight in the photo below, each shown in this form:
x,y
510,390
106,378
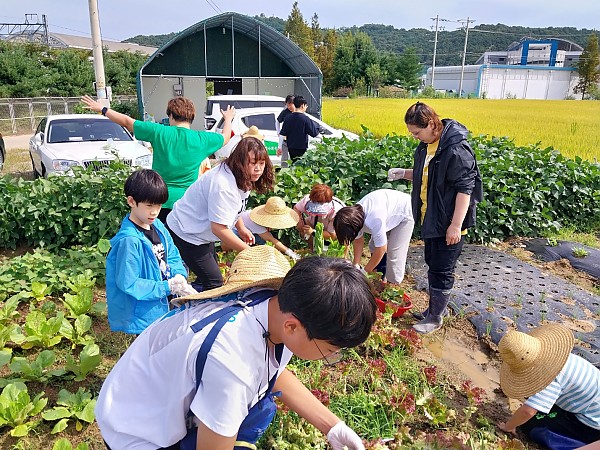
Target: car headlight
x,y
143,161
62,165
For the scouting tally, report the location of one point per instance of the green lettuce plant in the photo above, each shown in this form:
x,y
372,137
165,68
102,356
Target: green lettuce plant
x,y
78,406
17,409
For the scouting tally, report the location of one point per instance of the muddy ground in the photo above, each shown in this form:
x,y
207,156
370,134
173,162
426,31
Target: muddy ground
x,y
460,354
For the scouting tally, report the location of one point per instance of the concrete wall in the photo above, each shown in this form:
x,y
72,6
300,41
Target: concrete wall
x,y
157,91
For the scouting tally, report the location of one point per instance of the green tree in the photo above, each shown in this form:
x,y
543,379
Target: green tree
x,y
375,77
354,54
298,31
409,69
587,66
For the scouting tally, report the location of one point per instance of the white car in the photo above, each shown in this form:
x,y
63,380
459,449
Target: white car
x,y
66,140
265,119
215,103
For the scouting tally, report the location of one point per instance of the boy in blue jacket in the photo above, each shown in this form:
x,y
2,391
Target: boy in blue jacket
x,y
143,267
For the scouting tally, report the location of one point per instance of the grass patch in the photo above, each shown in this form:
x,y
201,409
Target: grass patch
x,y
18,163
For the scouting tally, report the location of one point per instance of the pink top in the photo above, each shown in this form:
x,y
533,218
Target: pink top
x,y
312,220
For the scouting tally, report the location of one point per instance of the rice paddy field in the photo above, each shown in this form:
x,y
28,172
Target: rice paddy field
x,y
571,127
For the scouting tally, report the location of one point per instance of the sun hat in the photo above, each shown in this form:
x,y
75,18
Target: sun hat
x,y
318,209
274,214
532,360
253,132
261,265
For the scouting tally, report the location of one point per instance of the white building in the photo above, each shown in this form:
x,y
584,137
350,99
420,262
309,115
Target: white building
x,y
528,69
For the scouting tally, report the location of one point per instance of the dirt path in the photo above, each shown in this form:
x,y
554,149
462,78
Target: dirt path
x,y
16,141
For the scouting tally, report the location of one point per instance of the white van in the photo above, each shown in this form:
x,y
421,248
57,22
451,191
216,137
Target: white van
x,y
216,103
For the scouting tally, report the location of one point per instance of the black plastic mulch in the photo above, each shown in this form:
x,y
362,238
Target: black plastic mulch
x,y
509,293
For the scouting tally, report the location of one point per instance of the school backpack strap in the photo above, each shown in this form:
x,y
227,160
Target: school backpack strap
x,y
260,415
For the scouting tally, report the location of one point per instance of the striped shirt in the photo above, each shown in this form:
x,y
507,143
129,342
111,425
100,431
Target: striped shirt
x,y
575,389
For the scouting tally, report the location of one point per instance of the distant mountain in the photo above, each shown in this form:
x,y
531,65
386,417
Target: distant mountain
x,y
386,38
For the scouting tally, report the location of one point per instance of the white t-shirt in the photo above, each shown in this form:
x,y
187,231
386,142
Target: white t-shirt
x,y
214,197
251,225
312,220
144,400
384,209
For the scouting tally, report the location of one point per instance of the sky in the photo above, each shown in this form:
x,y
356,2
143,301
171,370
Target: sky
x,y
121,19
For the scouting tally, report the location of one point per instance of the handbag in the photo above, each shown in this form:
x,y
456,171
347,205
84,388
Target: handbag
x,y
262,413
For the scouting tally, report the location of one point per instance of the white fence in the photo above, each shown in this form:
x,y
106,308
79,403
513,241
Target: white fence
x,y
22,115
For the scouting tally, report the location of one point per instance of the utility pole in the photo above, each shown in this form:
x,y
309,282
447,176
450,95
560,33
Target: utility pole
x,y
101,90
462,69
437,20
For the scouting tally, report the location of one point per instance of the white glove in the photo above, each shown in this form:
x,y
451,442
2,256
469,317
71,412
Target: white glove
x,y
396,174
341,436
292,254
176,283
361,268
187,289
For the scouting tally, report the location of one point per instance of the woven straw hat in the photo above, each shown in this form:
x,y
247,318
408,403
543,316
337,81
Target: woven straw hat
x,y
254,132
532,360
274,214
261,265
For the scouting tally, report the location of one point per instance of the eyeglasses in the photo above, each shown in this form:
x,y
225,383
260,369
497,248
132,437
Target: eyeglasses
x,y
332,358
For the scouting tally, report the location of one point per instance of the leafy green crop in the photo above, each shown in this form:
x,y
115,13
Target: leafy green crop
x,y
37,370
16,408
76,332
42,273
78,406
89,359
65,444
38,330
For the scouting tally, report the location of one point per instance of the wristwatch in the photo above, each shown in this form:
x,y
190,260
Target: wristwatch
x,y
104,111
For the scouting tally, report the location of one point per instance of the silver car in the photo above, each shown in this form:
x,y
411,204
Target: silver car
x,y
63,141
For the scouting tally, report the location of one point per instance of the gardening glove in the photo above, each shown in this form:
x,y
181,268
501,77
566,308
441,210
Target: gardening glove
x,y
175,283
396,174
292,254
341,436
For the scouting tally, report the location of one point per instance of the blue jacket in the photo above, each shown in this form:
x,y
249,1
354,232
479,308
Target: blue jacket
x,y
135,292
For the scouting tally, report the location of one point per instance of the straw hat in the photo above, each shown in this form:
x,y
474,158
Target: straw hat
x,y
532,360
274,214
261,265
253,132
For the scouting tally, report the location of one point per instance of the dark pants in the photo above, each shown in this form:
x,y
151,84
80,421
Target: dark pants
x,y
162,215
296,153
564,423
202,260
441,260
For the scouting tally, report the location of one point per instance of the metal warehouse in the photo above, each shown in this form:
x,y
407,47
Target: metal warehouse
x,y
240,54
534,69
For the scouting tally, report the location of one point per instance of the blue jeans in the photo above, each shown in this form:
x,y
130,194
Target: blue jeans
x,y
441,260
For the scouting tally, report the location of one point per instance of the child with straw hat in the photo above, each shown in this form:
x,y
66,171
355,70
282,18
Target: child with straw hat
x,y
562,389
273,215
322,306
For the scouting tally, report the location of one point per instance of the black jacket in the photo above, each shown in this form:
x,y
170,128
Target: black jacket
x,y
452,169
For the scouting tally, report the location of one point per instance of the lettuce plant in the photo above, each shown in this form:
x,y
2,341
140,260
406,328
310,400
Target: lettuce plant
x,y
17,408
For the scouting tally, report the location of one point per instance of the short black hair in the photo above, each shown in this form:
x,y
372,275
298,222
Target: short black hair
x,y
299,101
331,298
146,186
289,98
347,223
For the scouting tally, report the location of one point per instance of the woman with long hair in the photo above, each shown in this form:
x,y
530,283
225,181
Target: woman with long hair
x,y
211,207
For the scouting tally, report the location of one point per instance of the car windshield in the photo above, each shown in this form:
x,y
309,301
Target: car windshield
x,y
85,130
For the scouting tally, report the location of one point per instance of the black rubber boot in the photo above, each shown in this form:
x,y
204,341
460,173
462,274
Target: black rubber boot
x,y
438,301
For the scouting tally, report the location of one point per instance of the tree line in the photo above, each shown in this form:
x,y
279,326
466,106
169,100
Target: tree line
x,y
36,70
